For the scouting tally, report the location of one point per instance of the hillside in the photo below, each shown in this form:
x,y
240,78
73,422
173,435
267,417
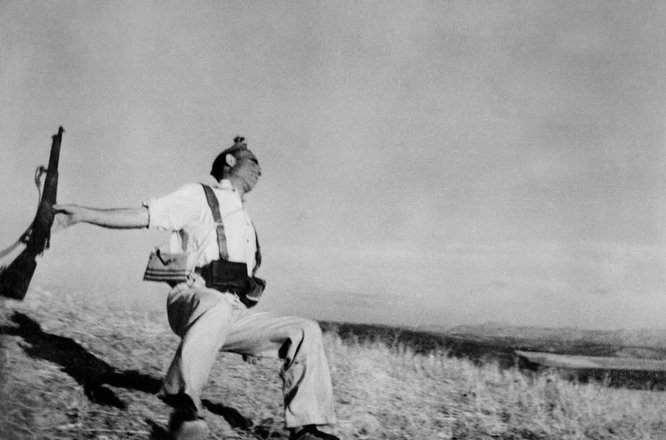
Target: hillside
x,y
71,370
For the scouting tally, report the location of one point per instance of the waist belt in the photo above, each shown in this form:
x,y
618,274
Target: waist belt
x,y
227,276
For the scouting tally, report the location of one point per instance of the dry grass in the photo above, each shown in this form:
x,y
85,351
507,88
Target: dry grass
x,y
72,371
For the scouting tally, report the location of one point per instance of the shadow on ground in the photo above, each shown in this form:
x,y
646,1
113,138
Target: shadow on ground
x,y
266,429
91,372
231,415
96,375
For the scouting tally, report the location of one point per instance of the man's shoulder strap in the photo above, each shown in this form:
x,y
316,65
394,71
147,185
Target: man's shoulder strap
x,y
214,206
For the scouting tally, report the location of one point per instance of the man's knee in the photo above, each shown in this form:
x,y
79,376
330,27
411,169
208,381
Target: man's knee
x,y
311,329
199,303
302,337
310,334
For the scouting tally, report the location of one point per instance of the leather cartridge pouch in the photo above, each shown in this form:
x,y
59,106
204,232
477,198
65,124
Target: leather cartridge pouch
x,y
226,276
229,276
166,267
255,289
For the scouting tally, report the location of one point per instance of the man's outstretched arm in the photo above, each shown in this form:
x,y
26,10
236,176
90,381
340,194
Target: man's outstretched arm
x,y
116,218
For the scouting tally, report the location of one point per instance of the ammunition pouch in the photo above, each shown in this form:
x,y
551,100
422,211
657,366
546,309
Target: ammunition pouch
x,y
163,266
229,276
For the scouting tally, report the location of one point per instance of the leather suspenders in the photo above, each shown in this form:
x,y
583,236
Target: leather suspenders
x,y
214,205
219,226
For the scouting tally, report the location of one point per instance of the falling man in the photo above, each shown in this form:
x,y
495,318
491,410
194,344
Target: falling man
x,y
211,307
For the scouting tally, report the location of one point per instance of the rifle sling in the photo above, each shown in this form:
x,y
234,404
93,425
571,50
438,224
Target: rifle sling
x,y
25,237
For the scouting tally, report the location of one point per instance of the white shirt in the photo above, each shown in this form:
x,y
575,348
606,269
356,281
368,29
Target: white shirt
x,y
185,212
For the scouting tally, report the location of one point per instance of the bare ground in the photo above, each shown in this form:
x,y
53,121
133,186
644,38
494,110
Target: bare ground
x,y
72,370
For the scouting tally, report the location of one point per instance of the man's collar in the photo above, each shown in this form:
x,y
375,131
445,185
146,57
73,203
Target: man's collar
x,y
226,184
223,184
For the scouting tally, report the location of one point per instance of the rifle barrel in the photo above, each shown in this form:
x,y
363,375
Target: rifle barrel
x,y
15,278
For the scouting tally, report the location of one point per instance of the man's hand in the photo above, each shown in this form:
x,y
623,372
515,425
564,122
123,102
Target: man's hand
x,y
66,216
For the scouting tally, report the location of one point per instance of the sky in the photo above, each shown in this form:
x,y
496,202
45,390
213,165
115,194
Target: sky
x,y
425,163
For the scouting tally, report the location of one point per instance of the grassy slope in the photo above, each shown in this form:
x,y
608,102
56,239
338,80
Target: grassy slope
x,y
73,371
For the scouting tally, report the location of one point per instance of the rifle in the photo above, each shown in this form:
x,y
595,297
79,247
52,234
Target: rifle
x,y
15,278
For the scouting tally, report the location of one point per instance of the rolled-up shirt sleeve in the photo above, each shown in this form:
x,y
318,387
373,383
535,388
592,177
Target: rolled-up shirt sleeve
x,y
174,211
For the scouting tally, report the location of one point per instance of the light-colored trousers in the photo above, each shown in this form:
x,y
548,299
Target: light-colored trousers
x,y
209,321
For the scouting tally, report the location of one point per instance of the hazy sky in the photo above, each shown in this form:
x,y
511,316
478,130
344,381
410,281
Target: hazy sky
x,y
425,163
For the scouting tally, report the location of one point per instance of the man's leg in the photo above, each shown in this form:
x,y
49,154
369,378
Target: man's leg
x,y
308,395
202,318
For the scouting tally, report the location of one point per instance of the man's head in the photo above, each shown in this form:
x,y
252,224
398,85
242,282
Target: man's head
x,y
238,164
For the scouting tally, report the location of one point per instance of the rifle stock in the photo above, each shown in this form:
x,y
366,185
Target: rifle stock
x,y
15,278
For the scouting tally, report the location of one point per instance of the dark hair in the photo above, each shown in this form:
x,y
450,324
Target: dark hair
x,y
220,162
